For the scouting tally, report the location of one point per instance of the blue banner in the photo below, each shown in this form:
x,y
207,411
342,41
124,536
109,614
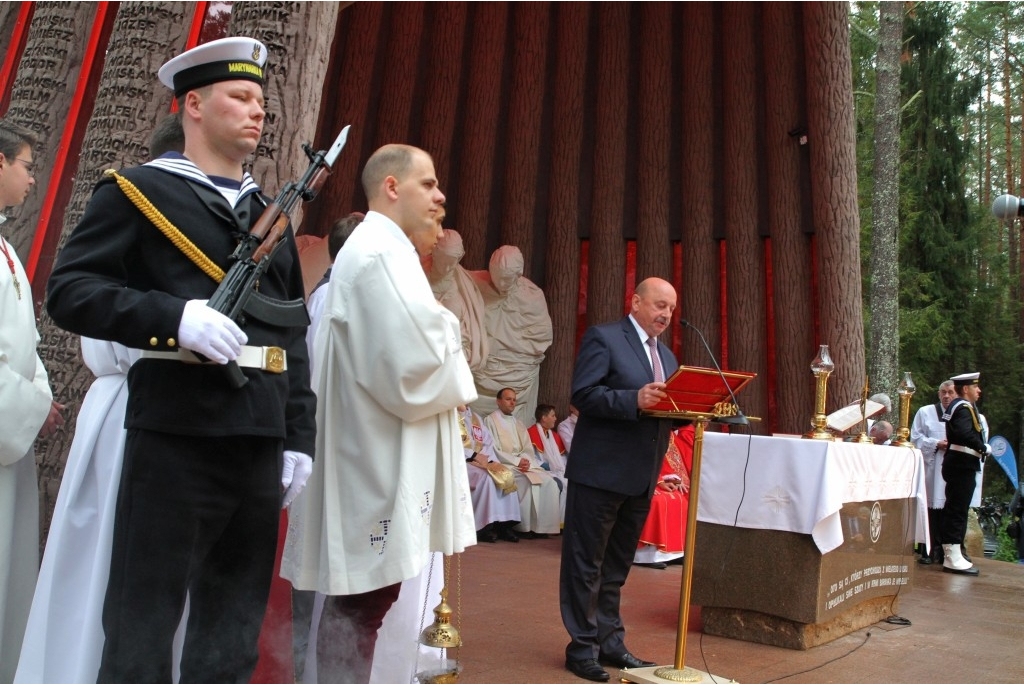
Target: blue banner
x,y
1003,454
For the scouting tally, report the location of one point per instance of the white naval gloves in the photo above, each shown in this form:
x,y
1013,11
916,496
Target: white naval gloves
x,y
210,333
297,467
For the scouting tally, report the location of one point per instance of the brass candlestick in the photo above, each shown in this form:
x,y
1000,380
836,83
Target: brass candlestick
x,y
906,391
822,366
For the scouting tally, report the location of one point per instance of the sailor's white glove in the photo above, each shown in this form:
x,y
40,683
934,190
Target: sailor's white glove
x,y
297,467
210,333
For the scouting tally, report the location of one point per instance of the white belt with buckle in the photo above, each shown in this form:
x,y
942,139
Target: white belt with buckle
x,y
272,359
967,450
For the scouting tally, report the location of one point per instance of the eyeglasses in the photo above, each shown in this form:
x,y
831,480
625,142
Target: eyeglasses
x,y
30,167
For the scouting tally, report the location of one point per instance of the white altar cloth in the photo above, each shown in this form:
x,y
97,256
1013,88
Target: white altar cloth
x,y
799,485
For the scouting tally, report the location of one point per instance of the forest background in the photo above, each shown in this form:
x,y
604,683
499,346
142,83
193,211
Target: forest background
x,y
939,93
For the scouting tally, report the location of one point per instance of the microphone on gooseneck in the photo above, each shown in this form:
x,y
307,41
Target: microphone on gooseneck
x,y
739,419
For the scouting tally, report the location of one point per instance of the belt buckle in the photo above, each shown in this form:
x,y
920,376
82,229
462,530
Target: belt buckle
x,y
273,359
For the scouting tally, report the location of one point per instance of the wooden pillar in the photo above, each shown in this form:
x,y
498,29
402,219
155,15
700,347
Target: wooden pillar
x,y
700,298
440,122
483,116
562,250
605,287
742,198
654,190
524,129
785,128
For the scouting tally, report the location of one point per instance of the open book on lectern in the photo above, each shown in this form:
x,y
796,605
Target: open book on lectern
x,y
696,390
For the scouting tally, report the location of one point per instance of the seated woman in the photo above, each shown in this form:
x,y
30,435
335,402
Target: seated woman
x,y
663,537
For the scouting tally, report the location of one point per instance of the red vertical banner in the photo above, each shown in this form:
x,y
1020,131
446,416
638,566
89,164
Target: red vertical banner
x,y
771,371
723,289
677,282
630,274
13,55
581,310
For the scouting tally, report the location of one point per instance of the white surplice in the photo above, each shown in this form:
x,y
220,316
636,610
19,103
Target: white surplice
x,y
389,481
25,400
64,637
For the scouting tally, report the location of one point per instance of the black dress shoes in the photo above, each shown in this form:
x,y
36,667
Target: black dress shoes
x,y
486,534
925,560
625,660
589,669
507,534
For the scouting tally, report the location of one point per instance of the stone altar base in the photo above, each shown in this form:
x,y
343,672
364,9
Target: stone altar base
x,y
753,626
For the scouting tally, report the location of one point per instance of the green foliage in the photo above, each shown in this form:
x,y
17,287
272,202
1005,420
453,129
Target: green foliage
x,y
1007,550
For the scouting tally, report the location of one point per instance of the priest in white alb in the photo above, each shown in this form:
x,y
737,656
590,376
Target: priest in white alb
x,y
541,504
389,479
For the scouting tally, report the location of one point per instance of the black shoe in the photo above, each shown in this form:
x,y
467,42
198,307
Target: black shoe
x,y
486,535
925,560
507,534
972,571
660,565
625,660
535,536
589,669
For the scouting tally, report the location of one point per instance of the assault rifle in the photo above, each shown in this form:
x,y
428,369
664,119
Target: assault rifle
x,y
236,293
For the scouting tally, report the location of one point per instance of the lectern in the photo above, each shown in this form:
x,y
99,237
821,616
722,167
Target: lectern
x,y
699,395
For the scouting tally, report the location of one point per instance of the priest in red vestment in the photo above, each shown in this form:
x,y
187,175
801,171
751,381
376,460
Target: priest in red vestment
x,y
663,537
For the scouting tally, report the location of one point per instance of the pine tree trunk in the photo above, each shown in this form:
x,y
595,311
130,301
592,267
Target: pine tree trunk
x,y
830,113
885,332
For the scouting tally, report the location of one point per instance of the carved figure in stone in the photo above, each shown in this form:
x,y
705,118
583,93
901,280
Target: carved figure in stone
x,y
519,332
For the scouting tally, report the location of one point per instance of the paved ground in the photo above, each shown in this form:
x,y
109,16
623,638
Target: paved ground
x,y
964,630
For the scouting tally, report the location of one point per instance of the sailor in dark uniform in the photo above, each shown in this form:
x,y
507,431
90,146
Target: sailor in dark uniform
x,y
205,462
967,449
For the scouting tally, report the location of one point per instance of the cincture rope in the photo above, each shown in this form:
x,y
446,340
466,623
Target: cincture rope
x,y
187,247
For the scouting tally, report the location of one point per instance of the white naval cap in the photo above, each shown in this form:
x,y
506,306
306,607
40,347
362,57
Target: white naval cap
x,y
966,379
226,59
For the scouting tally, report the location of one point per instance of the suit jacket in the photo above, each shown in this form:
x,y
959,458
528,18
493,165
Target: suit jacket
x,y
614,447
119,278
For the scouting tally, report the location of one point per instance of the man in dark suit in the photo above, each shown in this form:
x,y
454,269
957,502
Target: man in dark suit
x,y
205,463
616,456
